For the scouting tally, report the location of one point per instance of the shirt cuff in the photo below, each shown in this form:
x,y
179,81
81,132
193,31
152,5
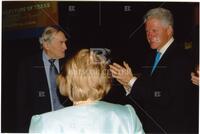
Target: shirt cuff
x,y
130,84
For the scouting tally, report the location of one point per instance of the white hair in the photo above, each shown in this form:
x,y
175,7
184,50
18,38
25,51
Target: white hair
x,y
162,14
47,34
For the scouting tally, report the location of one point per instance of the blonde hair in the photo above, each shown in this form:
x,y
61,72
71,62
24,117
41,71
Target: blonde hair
x,y
85,76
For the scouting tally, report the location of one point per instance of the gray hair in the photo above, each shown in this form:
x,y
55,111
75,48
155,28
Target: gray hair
x,y
47,34
162,14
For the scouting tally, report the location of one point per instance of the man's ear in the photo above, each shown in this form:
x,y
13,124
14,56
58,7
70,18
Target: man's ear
x,y
46,45
170,30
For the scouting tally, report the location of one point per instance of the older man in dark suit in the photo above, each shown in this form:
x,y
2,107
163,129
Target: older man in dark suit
x,y
37,92
163,90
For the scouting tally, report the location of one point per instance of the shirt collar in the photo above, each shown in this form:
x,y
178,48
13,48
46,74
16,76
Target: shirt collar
x,y
164,48
46,58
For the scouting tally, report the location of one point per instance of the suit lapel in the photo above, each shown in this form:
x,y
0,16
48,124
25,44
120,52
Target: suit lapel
x,y
148,65
38,67
163,63
39,85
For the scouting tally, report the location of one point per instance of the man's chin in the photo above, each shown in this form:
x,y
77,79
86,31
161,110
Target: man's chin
x,y
62,56
153,47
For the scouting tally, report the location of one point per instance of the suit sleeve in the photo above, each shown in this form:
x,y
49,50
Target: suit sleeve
x,y
140,88
135,122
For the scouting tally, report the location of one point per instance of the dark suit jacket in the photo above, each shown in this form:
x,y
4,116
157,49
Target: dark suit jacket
x,y
33,92
164,96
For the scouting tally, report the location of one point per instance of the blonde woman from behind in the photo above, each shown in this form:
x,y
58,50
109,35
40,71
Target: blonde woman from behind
x,y
85,79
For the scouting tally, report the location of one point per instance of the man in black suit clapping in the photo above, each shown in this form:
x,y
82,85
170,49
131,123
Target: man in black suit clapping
x,y
163,88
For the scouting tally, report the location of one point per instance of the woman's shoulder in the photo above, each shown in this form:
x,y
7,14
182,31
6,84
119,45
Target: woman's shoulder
x,y
76,116
99,107
117,107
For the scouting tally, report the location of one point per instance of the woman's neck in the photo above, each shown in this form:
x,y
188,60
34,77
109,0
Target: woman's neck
x,y
83,102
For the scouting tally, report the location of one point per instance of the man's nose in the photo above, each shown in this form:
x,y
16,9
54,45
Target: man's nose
x,y
150,35
64,46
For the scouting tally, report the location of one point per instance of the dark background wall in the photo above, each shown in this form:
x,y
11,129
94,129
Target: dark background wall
x,y
117,26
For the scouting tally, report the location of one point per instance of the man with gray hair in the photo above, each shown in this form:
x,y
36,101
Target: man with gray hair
x,y
162,92
37,91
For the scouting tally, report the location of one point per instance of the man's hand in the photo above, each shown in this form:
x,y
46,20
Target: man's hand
x,y
195,76
122,74
195,79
